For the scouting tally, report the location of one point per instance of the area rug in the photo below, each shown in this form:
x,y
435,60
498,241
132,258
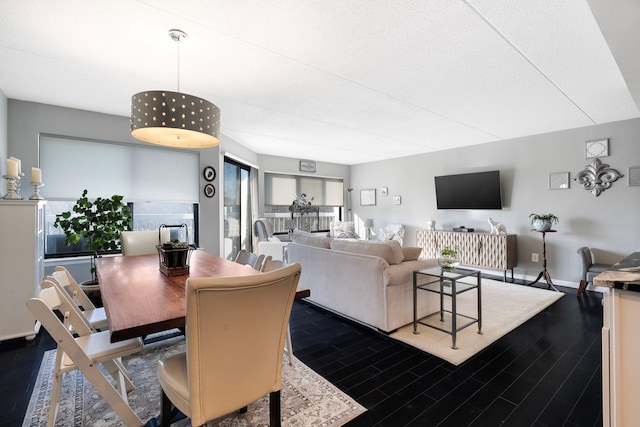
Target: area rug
x,y
505,306
306,397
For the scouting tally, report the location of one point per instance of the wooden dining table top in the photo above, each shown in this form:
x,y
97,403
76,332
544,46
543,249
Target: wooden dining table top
x,y
140,300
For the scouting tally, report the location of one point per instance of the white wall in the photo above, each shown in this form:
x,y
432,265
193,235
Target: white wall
x,y
609,223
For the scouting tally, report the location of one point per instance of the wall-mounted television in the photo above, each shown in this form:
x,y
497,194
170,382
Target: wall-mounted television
x,y
478,190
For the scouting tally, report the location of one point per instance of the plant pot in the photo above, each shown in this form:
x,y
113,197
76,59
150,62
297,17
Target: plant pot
x,y
448,262
541,224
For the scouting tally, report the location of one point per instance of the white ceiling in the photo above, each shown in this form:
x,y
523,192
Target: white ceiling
x,y
344,81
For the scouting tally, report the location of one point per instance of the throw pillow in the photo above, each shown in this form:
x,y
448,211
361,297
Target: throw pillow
x,y
274,239
411,253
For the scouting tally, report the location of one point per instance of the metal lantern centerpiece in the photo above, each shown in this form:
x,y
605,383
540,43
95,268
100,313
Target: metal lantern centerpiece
x,y
174,255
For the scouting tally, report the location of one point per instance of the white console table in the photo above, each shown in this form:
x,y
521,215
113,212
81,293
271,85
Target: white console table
x,y
483,250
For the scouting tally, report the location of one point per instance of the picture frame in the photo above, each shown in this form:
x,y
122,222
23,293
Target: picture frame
x,y
384,191
209,173
209,190
397,200
368,197
596,148
634,176
559,181
307,166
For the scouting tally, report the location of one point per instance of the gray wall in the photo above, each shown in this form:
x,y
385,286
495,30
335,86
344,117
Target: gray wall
x,y
26,120
608,223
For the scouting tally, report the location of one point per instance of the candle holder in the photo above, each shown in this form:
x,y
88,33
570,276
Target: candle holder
x,y
36,191
13,188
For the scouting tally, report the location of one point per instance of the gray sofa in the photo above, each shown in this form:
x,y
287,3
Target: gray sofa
x,y
370,282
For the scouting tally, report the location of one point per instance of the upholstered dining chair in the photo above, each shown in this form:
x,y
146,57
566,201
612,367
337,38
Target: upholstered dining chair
x,y
271,265
86,352
589,269
246,258
143,242
232,359
95,316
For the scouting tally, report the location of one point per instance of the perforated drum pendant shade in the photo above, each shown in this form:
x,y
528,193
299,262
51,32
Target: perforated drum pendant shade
x,y
174,119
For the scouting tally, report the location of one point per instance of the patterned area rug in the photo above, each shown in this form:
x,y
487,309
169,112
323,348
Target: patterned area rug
x,y
306,397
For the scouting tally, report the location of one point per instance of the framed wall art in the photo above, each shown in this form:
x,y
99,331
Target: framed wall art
x,y
597,148
634,176
368,197
307,166
558,180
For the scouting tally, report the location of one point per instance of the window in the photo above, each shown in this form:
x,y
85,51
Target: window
x,y
280,190
156,193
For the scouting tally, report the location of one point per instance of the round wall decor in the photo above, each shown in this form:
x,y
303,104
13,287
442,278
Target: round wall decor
x,y
209,173
209,190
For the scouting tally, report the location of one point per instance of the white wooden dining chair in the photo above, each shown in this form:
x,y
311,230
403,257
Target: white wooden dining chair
x,y
96,316
85,352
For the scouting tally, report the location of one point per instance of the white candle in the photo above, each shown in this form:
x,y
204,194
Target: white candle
x,y
12,167
19,162
36,175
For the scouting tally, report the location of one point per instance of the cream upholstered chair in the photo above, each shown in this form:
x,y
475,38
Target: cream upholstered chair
x,y
96,316
231,359
85,352
143,242
589,269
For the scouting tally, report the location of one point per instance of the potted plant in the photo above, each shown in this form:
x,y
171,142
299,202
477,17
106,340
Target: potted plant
x,y
174,254
448,259
543,222
300,207
98,223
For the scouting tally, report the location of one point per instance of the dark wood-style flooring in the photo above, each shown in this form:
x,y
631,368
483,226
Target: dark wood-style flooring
x,y
545,373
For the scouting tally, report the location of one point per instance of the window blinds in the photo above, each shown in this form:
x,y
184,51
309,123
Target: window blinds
x,y
138,173
281,189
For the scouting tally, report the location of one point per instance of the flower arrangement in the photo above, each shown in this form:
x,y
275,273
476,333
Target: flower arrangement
x,y
301,205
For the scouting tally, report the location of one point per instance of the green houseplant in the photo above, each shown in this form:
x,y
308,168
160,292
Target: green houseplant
x,y
543,222
448,259
98,223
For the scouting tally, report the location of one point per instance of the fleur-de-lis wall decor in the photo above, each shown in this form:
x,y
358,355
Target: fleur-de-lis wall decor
x,y
597,177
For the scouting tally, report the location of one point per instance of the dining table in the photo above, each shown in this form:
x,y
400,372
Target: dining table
x,y
140,300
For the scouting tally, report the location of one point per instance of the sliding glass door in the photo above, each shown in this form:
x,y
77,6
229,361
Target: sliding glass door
x,y
237,208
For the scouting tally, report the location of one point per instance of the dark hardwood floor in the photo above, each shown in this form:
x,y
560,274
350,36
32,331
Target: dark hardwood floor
x,y
545,373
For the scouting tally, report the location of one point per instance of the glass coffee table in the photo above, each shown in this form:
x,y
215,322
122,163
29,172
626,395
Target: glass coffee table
x,y
446,283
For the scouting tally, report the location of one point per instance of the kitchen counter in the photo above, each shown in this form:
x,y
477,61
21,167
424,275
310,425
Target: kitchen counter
x,y
623,275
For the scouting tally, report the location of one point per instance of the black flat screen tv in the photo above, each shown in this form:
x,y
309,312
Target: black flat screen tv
x,y
479,190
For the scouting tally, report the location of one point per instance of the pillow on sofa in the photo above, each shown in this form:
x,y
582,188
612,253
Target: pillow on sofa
x,y
311,240
273,239
411,253
390,251
343,230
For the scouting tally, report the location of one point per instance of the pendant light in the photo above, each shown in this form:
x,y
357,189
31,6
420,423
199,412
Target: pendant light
x,y
172,118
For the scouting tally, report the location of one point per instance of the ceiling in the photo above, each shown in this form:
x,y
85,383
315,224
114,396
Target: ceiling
x,y
343,81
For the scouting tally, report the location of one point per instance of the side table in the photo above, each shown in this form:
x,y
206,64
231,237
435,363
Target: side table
x,y
446,283
544,273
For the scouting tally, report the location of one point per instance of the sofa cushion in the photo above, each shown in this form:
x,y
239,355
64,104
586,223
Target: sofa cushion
x,y
411,253
311,240
343,230
390,251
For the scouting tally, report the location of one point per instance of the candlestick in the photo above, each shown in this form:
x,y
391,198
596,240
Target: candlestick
x,y
36,191
12,188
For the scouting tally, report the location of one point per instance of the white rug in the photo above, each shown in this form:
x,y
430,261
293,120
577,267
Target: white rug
x,y
306,397
505,306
